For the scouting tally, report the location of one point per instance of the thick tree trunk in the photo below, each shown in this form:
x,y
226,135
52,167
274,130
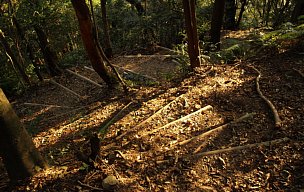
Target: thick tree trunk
x,y
230,13
297,11
217,21
17,149
13,58
237,25
50,57
29,48
108,47
86,30
191,29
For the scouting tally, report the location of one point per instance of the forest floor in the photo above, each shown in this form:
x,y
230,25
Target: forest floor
x,y
210,131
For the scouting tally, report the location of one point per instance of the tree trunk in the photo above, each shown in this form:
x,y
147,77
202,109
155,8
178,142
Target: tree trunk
x,y
13,58
108,47
216,22
237,25
297,11
230,12
29,48
140,9
86,30
17,149
50,57
191,29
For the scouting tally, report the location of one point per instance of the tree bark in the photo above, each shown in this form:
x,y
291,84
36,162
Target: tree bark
x,y
191,29
29,48
216,22
13,58
230,13
17,149
108,47
50,57
86,30
238,22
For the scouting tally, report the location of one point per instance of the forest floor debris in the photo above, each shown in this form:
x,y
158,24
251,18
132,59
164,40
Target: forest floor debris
x,y
247,155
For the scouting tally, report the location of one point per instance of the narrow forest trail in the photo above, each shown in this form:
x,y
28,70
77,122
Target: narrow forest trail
x,y
160,140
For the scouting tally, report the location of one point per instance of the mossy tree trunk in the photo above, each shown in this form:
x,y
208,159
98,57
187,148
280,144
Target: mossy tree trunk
x,y
17,149
191,30
91,47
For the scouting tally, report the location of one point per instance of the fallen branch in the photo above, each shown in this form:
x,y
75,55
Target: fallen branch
x,y
208,107
220,128
269,103
45,105
299,72
65,88
103,129
148,56
89,186
266,143
84,78
151,117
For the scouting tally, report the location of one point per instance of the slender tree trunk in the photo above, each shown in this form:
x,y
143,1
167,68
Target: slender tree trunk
x,y
50,57
29,48
108,47
216,22
238,22
86,30
13,58
230,13
191,29
17,149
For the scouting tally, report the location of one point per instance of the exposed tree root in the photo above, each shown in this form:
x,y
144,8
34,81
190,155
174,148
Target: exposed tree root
x,y
266,143
220,128
269,103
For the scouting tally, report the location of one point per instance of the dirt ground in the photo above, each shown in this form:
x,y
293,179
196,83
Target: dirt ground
x,y
211,131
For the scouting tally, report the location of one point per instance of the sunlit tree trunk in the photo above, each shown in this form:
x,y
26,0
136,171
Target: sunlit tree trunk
x,y
49,56
217,21
191,29
17,149
94,54
13,58
108,46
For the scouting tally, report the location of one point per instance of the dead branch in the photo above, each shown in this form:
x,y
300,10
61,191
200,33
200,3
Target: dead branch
x,y
266,143
89,186
151,117
299,72
269,103
220,128
65,88
84,78
208,107
45,105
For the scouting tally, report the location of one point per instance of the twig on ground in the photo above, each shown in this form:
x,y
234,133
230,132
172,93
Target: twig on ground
x,y
84,78
65,88
150,118
208,107
89,186
220,128
269,103
299,72
266,143
45,105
